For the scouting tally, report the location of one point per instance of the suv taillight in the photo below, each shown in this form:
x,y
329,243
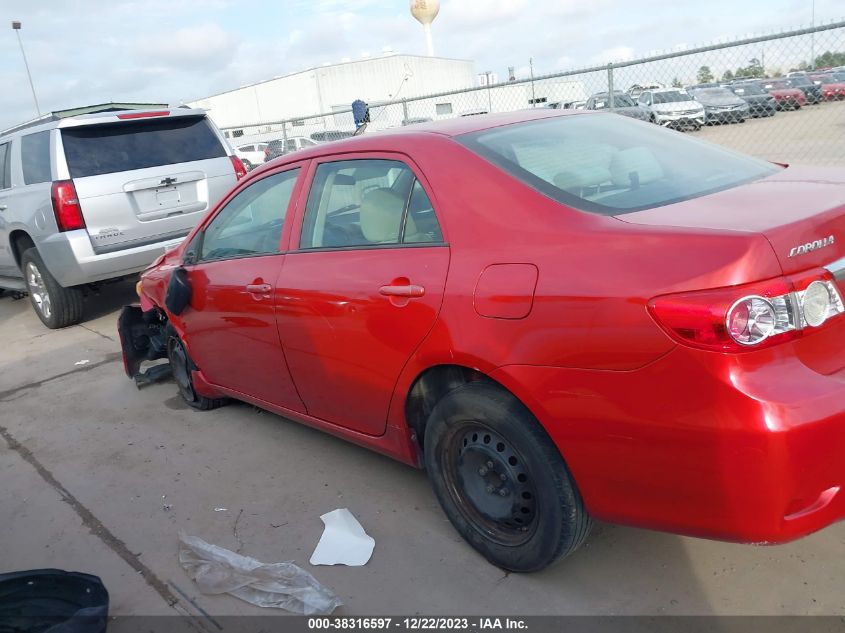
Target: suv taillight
x,y
751,316
66,206
240,170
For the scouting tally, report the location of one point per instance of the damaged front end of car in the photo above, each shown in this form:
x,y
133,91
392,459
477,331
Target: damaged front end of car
x,y
143,337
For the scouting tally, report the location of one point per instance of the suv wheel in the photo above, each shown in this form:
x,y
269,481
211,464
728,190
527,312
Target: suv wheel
x,y
57,307
501,481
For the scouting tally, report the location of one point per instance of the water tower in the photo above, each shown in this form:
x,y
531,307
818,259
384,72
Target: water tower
x,y
425,11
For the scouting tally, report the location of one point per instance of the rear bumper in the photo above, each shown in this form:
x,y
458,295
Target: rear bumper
x,y
747,448
71,259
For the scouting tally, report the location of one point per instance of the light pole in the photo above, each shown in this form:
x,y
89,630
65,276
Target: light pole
x,y
16,26
489,98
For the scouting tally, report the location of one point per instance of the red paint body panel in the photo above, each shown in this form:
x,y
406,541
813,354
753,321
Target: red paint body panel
x,y
741,446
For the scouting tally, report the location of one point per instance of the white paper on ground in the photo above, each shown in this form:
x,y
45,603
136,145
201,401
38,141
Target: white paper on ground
x,y
344,541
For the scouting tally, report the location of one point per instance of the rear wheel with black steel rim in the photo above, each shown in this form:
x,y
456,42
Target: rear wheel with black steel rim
x,y
183,366
500,479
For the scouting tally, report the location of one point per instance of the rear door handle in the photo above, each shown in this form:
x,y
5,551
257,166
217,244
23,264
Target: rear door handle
x,y
259,289
409,290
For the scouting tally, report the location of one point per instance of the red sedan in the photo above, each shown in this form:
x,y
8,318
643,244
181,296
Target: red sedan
x,y
560,316
786,97
832,87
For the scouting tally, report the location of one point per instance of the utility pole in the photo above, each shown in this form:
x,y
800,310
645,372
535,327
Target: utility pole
x,y
16,26
487,74
533,95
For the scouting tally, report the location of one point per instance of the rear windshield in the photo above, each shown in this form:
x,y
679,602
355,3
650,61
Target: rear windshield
x,y
747,89
612,165
92,150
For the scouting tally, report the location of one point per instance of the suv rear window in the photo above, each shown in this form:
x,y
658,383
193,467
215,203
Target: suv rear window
x,y
612,165
92,150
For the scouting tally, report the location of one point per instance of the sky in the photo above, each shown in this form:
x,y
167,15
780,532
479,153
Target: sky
x,y
92,51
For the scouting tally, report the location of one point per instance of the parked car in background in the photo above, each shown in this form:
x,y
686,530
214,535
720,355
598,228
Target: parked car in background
x,y
561,316
636,90
786,97
622,104
672,107
720,105
330,135
280,147
812,92
414,120
97,197
833,89
251,154
760,103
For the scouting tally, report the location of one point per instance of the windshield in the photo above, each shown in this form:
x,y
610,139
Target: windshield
x,y
672,96
92,150
779,85
612,165
824,79
748,89
800,80
712,93
619,101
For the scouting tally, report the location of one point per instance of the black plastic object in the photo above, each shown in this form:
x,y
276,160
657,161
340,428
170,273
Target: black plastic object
x,y
178,291
52,601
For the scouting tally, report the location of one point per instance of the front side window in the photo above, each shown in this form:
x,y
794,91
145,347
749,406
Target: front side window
x,y
361,203
612,165
251,223
35,158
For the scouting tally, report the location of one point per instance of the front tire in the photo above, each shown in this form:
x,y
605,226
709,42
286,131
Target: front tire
x,y
56,306
501,481
183,366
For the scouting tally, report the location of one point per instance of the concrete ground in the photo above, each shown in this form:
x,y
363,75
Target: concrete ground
x,y
813,135
88,462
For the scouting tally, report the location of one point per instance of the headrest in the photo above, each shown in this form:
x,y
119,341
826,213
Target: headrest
x,y
634,167
381,216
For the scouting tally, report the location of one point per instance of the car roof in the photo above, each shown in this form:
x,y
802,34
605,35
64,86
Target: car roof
x,y
391,138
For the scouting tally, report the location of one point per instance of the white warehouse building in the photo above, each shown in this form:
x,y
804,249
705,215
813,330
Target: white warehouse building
x,y
334,88
255,113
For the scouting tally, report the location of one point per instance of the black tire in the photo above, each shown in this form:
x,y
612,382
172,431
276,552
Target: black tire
x,y
501,481
182,366
247,165
56,306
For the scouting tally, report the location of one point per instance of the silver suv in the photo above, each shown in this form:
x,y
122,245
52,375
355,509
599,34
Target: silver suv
x,y
97,197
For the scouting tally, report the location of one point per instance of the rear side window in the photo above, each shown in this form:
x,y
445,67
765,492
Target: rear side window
x,y
612,165
35,158
5,166
365,203
104,149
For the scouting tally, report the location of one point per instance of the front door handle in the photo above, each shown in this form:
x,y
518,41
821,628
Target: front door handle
x,y
259,289
409,290
3,207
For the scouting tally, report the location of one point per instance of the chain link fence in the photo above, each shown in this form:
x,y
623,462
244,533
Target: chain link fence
x,y
780,97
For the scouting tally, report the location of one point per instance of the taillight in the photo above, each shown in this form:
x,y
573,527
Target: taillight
x,y
750,316
66,206
240,170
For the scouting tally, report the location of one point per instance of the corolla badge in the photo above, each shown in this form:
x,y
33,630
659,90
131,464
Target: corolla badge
x,y
811,246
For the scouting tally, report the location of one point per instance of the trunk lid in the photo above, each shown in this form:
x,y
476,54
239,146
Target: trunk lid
x,y
145,181
800,211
